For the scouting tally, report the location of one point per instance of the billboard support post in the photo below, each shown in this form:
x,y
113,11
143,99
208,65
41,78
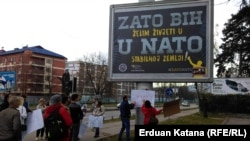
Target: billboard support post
x,y
139,115
142,86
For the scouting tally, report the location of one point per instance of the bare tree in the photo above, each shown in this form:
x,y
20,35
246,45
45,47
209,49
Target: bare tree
x,y
96,72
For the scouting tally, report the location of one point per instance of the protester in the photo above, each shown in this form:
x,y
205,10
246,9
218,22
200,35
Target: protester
x,y
84,109
125,115
26,104
93,106
41,105
5,103
55,103
23,115
94,102
65,100
79,100
76,115
98,111
148,110
10,129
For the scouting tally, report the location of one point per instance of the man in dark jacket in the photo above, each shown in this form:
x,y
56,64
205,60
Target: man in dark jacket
x,y
125,115
76,115
26,104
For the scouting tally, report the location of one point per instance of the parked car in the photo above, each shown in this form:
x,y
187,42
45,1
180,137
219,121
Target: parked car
x,y
185,103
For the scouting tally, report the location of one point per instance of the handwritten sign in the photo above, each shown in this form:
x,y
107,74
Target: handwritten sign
x,y
139,95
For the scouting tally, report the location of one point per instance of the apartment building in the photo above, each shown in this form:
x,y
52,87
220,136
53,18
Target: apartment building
x,y
86,73
37,70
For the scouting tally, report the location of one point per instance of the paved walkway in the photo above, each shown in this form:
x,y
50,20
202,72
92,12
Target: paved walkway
x,y
113,128
238,119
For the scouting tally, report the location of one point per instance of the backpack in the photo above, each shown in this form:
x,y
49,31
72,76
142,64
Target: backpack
x,y
55,126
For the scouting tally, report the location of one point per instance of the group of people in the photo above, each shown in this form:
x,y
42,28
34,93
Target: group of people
x,y
69,110
14,111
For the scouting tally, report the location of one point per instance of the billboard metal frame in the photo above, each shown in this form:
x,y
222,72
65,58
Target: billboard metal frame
x,y
163,41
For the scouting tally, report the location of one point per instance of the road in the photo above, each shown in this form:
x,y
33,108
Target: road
x,y
110,113
113,113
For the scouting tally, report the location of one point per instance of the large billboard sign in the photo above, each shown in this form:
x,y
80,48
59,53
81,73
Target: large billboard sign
x,y
7,80
161,41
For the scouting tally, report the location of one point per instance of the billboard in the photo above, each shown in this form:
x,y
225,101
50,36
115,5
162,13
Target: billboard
x,y
7,80
161,41
231,86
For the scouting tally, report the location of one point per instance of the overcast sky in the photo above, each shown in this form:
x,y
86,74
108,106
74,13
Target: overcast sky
x,y
71,28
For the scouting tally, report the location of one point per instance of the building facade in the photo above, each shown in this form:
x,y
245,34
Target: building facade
x,y
37,70
92,78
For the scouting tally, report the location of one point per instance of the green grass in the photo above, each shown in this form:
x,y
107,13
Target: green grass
x,y
194,119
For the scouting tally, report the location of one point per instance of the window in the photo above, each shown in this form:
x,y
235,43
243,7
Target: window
x,y
48,61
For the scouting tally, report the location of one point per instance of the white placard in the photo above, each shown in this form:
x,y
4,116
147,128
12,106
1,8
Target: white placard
x,y
95,121
34,121
139,95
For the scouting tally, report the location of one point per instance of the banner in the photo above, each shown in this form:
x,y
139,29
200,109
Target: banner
x,y
231,86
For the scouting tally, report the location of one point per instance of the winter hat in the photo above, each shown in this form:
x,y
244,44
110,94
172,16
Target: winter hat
x,y
55,99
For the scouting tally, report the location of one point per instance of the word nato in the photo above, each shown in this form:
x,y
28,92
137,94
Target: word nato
x,y
156,21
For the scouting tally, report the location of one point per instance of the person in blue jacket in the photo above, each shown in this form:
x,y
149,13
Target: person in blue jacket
x,y
125,115
26,104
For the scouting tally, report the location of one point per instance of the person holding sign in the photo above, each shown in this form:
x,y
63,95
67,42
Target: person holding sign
x,y
98,112
148,110
125,115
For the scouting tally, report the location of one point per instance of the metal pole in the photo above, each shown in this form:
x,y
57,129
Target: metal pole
x,y
142,86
